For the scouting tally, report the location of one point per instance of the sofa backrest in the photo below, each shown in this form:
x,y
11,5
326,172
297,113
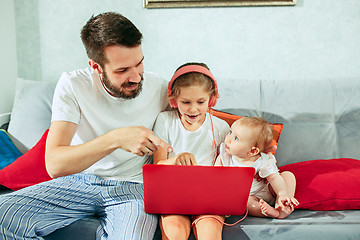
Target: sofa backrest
x,y
321,118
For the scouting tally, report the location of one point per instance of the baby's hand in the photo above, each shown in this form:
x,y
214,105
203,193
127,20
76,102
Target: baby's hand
x,y
270,149
285,201
293,202
185,159
260,179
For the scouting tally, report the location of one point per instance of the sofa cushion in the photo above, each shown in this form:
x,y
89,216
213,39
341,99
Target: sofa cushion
x,y
27,170
31,114
231,118
327,184
8,151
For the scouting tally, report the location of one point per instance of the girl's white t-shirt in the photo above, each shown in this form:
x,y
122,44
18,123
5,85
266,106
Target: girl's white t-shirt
x,y
80,98
200,143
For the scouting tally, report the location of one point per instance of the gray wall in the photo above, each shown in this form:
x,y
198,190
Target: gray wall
x,y
8,61
315,39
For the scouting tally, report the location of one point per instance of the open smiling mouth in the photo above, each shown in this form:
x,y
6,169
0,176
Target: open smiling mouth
x,y
192,116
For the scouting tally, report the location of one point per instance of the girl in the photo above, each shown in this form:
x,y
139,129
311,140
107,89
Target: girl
x,y
194,136
244,147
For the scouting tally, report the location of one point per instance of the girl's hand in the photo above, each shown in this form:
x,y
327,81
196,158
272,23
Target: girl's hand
x,y
185,159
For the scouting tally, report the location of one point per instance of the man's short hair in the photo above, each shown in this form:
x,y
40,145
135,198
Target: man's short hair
x,y
108,29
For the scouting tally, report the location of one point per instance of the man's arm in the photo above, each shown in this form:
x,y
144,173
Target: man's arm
x,y
61,159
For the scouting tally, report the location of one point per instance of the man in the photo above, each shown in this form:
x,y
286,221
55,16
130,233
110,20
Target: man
x,y
98,141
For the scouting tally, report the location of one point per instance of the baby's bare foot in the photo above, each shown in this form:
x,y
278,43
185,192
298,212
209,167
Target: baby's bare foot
x,y
268,210
284,212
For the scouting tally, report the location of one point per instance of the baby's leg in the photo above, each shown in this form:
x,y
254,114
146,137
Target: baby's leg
x,y
268,210
209,227
254,208
290,181
175,227
259,208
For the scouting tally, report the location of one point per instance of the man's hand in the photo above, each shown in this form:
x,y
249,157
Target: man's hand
x,y
185,159
140,141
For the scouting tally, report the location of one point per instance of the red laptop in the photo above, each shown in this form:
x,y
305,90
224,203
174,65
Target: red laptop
x,y
194,190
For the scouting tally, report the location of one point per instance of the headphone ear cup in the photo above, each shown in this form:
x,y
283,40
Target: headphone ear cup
x,y
212,101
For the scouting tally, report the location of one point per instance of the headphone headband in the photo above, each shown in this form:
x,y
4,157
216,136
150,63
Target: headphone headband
x,y
198,69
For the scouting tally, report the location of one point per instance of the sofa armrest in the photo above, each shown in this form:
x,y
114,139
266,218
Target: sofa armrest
x,y
4,120
4,123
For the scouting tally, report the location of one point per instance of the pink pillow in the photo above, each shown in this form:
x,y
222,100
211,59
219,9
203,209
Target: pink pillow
x,y
27,170
327,184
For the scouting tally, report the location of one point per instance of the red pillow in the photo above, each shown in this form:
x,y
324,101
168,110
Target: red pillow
x,y
27,170
231,118
327,184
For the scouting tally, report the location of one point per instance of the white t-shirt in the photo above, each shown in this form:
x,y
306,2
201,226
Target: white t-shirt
x,y
80,98
265,165
200,143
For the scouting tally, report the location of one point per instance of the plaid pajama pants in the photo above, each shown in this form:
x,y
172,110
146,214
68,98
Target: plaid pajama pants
x,y
41,209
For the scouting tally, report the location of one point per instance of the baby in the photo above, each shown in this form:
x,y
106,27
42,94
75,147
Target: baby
x,y
243,147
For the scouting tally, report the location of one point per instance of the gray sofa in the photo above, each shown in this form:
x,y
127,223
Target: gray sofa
x,y
321,121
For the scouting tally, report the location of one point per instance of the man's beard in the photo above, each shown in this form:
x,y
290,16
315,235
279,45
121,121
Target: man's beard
x,y
118,92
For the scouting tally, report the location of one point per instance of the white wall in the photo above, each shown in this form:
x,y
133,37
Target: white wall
x,y
8,60
315,39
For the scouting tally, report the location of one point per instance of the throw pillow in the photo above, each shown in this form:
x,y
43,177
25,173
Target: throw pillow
x,y
327,184
231,118
31,113
8,151
27,170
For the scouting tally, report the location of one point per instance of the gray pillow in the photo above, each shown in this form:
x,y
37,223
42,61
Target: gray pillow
x,y
31,113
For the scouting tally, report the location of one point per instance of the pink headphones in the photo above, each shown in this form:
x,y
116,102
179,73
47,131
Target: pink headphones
x,y
188,69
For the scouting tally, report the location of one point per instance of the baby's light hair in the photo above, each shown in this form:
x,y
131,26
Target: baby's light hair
x,y
263,131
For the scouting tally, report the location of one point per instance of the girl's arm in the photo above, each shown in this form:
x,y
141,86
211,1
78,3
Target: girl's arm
x,y
161,157
218,161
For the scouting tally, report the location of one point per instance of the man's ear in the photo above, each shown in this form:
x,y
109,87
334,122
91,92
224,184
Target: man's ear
x,y
94,65
254,151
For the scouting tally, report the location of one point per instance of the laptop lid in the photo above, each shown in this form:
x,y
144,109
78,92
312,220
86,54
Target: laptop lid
x,y
194,190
